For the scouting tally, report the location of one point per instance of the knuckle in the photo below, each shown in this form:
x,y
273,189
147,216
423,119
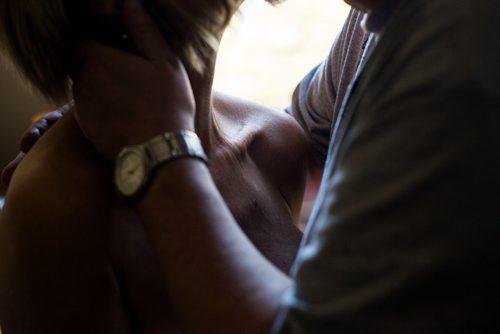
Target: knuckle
x,y
42,124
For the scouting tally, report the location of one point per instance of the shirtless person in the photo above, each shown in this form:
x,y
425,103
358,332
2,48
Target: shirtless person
x,y
75,260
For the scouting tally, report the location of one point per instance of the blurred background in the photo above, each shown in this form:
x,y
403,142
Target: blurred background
x,y
267,50
264,54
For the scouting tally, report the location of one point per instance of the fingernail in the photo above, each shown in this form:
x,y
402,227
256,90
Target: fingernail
x,y
35,132
42,125
53,116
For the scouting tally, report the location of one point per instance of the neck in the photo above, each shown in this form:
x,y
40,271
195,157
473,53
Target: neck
x,y
205,124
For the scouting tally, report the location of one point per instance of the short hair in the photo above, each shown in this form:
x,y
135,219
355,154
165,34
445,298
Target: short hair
x,y
39,36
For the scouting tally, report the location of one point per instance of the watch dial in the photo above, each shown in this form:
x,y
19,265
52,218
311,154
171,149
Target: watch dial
x,y
131,173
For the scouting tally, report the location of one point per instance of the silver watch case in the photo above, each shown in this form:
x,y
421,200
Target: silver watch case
x,y
136,164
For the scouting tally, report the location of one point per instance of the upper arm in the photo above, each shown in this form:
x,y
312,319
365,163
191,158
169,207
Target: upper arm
x,y
56,274
318,98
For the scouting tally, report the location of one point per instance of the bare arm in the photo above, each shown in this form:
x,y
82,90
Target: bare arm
x,y
218,281
56,275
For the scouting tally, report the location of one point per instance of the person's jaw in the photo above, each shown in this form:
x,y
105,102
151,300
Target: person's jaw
x,y
364,5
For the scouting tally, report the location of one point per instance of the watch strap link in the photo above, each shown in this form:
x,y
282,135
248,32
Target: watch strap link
x,y
174,145
136,165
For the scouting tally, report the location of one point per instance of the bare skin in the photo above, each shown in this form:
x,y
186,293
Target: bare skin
x,y
217,281
76,260
89,259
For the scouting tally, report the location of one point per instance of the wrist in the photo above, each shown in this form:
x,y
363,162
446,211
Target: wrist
x,y
173,181
136,165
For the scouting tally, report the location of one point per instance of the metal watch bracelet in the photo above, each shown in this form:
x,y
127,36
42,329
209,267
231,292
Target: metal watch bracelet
x,y
136,164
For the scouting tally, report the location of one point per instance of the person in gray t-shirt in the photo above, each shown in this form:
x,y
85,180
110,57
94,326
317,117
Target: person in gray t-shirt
x,y
405,234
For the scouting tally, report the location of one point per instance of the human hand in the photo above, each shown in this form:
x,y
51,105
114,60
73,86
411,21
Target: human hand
x,y
125,99
29,139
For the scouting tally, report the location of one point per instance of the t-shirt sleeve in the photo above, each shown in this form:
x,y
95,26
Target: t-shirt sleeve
x,y
318,97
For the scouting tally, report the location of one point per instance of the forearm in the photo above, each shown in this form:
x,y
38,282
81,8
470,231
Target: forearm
x,y
218,281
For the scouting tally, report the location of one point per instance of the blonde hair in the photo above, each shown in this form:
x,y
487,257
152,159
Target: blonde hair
x,y
38,36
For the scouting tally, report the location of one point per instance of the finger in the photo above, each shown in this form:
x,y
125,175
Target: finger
x,y
67,107
37,129
144,32
29,138
52,117
9,170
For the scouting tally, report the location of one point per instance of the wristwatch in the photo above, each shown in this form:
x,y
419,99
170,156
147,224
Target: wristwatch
x,y
136,164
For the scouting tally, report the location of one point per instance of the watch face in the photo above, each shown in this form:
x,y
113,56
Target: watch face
x,y
130,173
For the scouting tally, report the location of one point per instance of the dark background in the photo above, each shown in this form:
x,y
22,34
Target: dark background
x,y
17,107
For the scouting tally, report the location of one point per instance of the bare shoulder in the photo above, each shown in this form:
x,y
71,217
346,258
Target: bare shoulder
x,y
274,125
63,162
54,228
59,182
275,141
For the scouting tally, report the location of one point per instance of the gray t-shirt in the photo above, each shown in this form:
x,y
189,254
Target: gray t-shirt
x,y
406,232
318,97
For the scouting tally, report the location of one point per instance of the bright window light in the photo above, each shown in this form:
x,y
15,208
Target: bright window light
x,y
267,50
